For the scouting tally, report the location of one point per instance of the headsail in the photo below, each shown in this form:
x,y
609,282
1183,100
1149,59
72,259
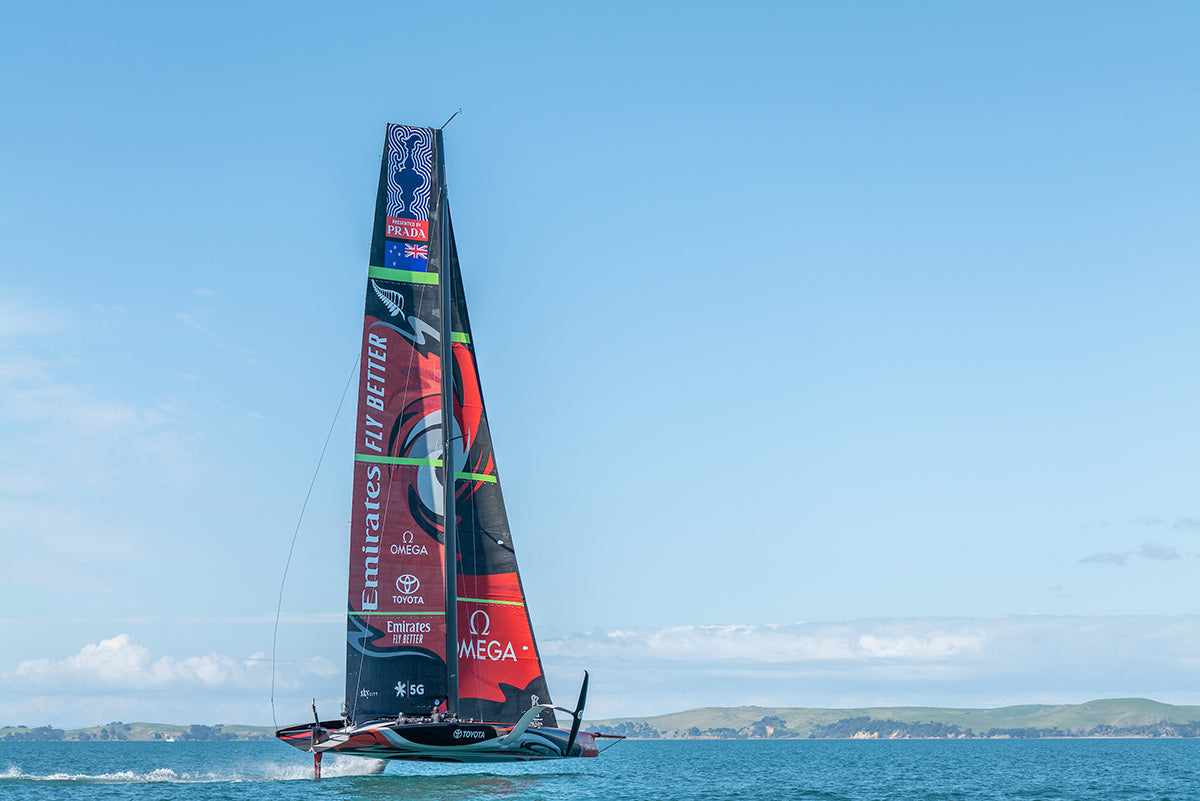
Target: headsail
x,y
396,657
500,670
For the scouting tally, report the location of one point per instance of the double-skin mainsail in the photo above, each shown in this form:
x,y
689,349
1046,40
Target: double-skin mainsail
x,y
399,659
436,668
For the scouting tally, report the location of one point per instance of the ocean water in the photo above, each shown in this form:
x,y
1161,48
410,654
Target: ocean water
x,y
897,770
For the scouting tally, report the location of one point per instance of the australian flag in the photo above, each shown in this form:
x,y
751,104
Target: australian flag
x,y
407,256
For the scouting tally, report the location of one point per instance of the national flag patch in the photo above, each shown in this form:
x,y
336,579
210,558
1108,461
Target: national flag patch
x,y
407,256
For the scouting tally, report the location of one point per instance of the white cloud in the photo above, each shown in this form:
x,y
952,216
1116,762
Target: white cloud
x,y
913,661
962,662
1180,523
1166,553
1149,550
122,665
769,644
121,679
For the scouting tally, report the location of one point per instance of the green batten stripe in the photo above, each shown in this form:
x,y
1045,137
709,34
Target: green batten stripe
x,y
459,336
402,275
475,476
366,457
397,614
491,601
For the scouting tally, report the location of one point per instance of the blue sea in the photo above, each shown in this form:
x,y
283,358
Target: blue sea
x,y
838,770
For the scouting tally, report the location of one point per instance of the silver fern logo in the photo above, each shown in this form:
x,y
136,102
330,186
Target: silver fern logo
x,y
390,297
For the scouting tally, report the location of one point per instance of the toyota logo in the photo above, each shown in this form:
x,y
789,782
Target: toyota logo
x,y
478,629
408,584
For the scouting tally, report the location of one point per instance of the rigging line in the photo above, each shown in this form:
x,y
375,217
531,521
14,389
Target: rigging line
x,y
452,116
296,533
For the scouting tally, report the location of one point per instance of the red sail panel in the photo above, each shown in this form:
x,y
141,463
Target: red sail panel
x,y
496,655
396,624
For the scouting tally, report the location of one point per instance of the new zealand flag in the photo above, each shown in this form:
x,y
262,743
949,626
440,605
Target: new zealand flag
x,y
407,256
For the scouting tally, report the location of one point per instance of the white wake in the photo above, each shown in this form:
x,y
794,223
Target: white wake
x,y
332,767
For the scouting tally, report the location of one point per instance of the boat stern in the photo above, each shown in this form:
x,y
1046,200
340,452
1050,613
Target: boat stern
x,y
586,742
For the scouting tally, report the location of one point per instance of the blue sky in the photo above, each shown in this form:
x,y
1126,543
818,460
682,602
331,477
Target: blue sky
x,y
835,354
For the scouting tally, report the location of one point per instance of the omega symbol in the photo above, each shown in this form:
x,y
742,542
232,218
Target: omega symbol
x,y
487,623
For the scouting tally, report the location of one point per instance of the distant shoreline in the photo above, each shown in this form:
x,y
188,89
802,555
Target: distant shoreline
x,y
118,731
1114,718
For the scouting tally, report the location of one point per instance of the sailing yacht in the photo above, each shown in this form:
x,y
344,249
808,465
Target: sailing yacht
x,y
441,661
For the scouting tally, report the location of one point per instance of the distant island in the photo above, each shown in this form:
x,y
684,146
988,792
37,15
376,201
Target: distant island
x,y
136,732
1114,717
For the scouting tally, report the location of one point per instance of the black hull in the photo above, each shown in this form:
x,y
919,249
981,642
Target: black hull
x,y
437,742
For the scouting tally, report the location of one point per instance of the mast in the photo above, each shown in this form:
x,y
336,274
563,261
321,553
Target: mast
x,y
450,551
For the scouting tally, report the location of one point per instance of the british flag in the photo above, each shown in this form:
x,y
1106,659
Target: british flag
x,y
407,256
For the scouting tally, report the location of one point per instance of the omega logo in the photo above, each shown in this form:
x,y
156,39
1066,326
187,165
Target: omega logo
x,y
487,623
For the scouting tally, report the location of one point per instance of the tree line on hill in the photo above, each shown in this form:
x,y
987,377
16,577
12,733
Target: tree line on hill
x,y
113,731
772,727
24,734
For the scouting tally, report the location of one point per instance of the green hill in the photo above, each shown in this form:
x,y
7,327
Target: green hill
x,y
1113,717
137,732
1116,717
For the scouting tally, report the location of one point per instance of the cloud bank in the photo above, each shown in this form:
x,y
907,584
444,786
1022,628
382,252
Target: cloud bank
x,y
121,664
119,678
957,662
974,662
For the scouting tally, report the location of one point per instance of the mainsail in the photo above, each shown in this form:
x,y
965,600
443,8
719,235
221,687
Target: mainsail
x,y
398,657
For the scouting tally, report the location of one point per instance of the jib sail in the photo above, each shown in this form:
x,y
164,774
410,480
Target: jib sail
x,y
396,657
500,671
